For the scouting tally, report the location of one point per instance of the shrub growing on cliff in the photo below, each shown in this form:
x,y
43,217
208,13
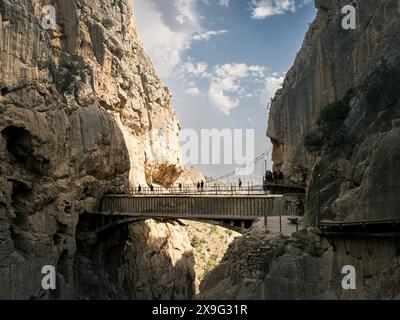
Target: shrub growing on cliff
x,y
330,133
211,263
313,142
107,23
68,76
196,243
382,87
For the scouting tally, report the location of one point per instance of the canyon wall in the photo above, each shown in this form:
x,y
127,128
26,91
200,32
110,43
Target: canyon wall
x,y
359,177
82,113
356,179
265,266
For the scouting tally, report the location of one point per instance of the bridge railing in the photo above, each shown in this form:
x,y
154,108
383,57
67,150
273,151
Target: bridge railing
x,y
191,190
283,182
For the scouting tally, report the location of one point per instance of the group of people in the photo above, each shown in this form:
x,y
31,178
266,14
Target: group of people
x,y
274,176
200,186
139,189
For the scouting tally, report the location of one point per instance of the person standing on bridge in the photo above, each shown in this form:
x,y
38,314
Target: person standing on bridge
x,y
240,183
202,185
180,187
198,186
280,175
274,176
269,176
139,188
151,187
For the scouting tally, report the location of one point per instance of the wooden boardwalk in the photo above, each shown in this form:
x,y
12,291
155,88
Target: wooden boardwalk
x,y
382,227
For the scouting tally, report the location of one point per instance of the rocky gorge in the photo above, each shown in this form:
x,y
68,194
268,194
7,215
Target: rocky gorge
x,y
83,113
334,123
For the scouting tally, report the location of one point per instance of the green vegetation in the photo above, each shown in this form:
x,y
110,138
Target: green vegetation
x,y
107,23
211,263
331,132
196,243
381,90
68,76
313,142
214,230
382,87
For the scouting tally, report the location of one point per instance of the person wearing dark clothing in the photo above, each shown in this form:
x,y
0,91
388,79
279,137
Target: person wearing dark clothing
x,y
139,189
280,175
202,185
269,176
300,208
304,178
198,186
240,183
151,187
180,187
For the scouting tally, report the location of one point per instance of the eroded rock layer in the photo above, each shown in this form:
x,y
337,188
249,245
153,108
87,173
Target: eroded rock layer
x,y
359,176
82,113
305,266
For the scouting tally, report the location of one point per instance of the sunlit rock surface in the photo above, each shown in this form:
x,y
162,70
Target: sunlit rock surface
x,y
82,113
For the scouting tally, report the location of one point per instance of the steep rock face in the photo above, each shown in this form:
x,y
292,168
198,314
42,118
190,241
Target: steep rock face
x,y
82,113
145,260
304,266
358,179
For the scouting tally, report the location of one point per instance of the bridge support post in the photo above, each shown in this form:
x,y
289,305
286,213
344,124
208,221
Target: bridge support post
x,y
265,221
267,210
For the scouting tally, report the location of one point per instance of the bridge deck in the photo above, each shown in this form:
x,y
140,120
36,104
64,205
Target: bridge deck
x,y
198,206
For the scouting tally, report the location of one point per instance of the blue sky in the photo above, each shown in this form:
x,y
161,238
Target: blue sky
x,y
223,59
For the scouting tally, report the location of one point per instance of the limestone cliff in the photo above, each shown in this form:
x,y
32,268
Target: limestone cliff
x,y
141,261
82,113
305,266
359,177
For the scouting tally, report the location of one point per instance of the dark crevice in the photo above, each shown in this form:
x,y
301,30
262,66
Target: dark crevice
x,y
20,144
4,91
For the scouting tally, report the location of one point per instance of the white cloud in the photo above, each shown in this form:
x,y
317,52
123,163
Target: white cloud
x,y
265,8
207,35
196,69
224,3
193,91
229,83
168,28
226,84
271,85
